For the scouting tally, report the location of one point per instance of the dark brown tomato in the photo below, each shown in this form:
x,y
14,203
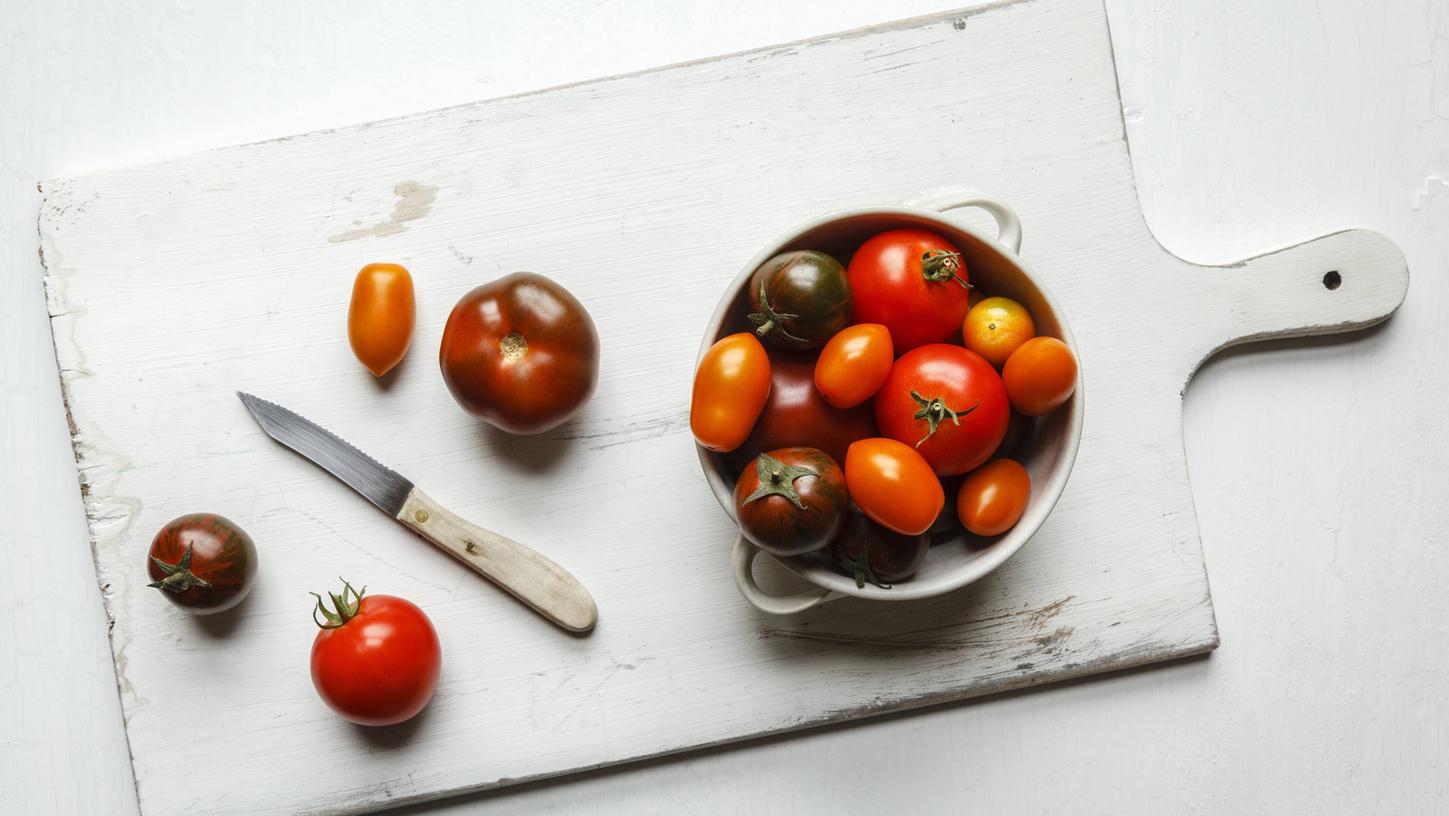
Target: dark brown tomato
x,y
202,563
799,300
791,501
796,415
520,352
870,553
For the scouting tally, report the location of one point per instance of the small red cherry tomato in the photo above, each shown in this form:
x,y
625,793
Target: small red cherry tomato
x,y
1040,375
893,485
854,364
730,389
376,660
993,497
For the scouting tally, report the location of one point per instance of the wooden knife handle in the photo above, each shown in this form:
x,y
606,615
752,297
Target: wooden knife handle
x,y
526,573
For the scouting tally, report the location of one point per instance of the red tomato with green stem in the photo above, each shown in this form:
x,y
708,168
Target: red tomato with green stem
x,y
376,660
946,401
912,281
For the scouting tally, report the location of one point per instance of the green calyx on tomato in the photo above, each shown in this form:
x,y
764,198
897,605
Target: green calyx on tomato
x,y
768,320
778,479
179,577
345,610
935,411
863,572
939,265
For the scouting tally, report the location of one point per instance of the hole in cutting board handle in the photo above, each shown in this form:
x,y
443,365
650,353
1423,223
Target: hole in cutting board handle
x,y
1332,280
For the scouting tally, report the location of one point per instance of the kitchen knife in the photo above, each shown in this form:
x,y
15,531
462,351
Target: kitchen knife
x,y
525,573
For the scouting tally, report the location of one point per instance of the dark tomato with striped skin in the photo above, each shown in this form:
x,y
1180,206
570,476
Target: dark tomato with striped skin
x,y
796,415
798,300
791,501
376,660
202,563
947,402
520,352
873,554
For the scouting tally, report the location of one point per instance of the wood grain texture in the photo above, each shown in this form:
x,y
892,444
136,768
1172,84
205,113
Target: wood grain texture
x,y
172,285
525,573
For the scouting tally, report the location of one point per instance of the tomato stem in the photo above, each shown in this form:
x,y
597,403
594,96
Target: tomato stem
x,y
768,320
940,265
863,572
345,610
935,411
179,576
778,479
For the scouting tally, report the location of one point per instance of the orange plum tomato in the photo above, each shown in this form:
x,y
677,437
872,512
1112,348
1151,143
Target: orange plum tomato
x,y
854,364
380,316
993,497
894,485
730,388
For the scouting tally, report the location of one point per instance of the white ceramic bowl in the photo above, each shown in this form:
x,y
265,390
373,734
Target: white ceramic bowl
x,y
994,267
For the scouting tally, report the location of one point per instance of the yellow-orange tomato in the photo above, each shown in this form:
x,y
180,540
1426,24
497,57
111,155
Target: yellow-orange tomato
x,y
380,318
996,327
854,364
1040,375
993,497
730,388
893,484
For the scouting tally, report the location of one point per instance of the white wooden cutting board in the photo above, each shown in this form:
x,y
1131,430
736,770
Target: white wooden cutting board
x,y
173,285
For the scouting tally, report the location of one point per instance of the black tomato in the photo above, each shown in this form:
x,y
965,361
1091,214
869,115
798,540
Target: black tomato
x,y
799,300
791,501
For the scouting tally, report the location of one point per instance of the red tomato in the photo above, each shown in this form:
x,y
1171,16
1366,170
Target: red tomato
x,y
376,660
797,416
380,316
1040,375
854,364
893,485
993,497
202,563
996,327
948,402
914,283
520,352
730,388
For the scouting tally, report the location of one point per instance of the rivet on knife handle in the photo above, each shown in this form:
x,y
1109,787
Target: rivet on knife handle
x,y
527,574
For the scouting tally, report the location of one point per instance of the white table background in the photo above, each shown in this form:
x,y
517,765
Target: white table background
x,y
1321,468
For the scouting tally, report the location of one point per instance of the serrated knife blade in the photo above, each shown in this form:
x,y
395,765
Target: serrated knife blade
x,y
527,574
377,483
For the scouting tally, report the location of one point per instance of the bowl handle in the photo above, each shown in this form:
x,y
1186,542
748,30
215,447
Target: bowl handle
x,y
744,562
1008,225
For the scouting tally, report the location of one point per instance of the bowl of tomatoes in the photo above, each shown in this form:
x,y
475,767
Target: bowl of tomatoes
x,y
888,402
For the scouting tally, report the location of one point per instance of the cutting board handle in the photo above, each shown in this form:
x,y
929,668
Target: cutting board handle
x,y
1336,283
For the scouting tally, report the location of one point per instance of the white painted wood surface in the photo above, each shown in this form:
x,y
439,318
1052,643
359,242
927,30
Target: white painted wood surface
x,y
171,285
1351,622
